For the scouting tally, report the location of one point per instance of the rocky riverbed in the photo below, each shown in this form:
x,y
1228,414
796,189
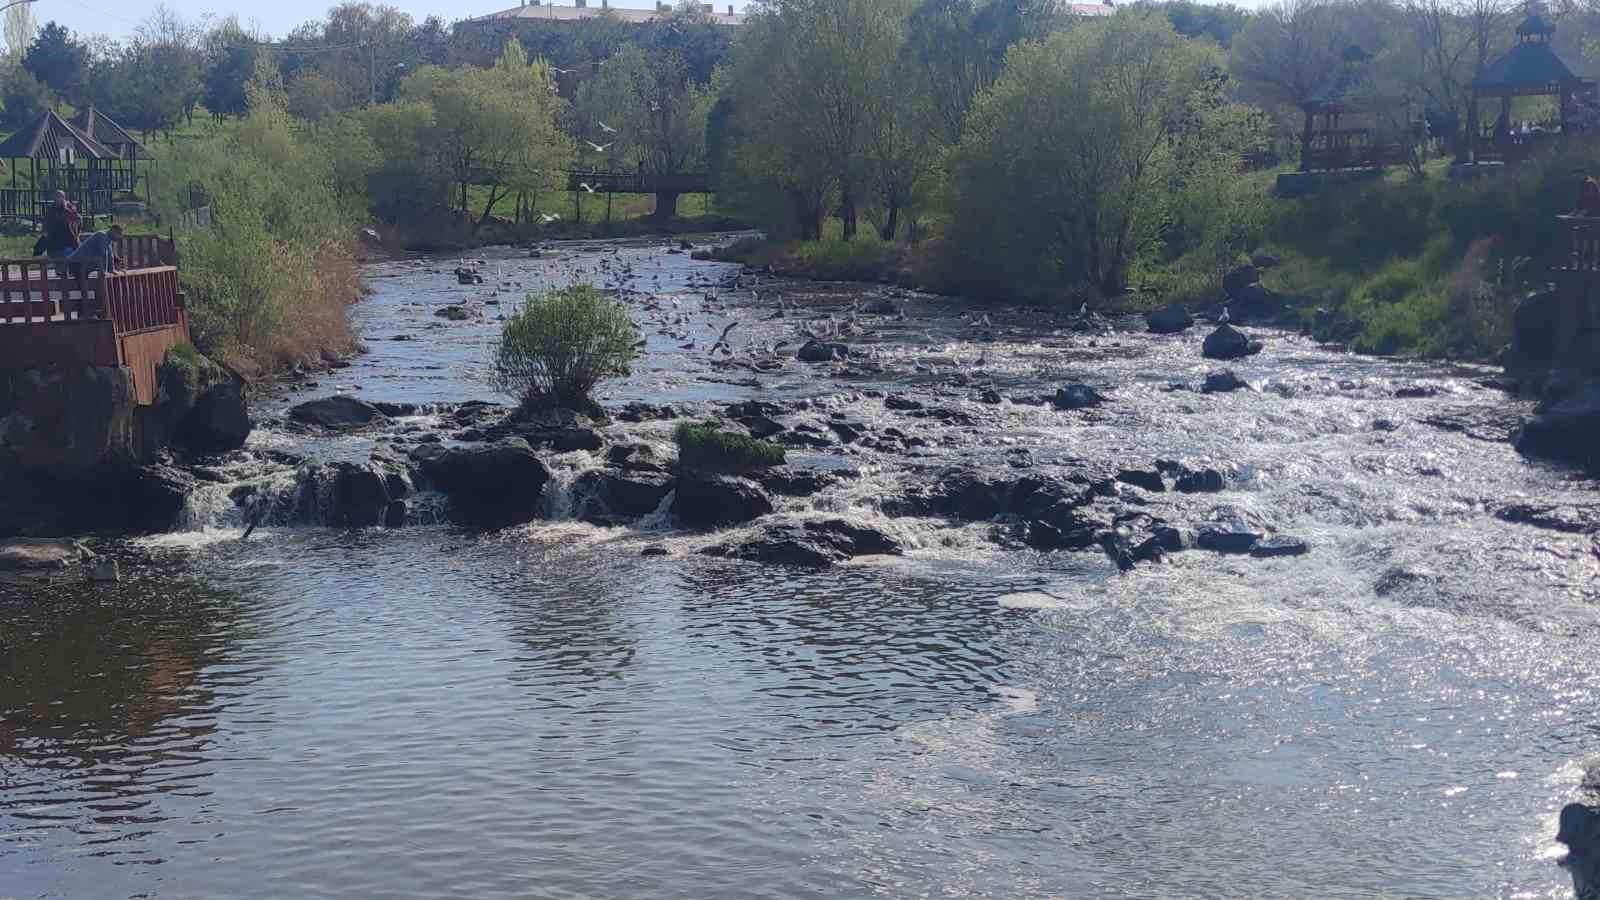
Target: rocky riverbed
x,y
1015,565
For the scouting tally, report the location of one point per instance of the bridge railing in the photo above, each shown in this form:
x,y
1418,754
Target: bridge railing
x,y
639,183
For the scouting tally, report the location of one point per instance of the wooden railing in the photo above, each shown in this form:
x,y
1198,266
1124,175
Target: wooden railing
x,y
1584,255
42,291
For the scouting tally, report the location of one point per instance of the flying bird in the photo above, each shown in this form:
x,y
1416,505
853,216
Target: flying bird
x,y
599,148
561,71
607,128
547,218
585,186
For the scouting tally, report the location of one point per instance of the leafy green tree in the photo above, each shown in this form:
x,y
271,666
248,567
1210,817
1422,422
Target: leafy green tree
x,y
560,346
645,113
24,97
58,59
316,98
1068,159
231,56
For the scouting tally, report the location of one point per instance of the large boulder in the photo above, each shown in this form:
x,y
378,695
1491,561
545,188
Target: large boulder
x,y
67,419
491,486
815,544
351,495
338,413
1078,396
1568,430
1229,530
627,494
707,501
1240,278
1228,342
201,408
562,430
814,351
1170,319
1553,332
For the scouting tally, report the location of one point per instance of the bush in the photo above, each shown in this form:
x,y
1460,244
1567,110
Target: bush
x,y
705,448
561,345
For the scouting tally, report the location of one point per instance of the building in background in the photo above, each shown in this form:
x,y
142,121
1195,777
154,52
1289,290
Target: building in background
x,y
550,12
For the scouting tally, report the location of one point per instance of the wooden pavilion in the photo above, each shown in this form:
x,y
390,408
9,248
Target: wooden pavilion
x,y
51,154
1530,68
1348,122
103,129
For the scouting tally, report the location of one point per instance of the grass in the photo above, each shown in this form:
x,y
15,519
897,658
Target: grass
x,y
708,449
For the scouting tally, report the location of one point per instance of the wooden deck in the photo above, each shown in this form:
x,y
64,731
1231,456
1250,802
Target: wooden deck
x,y
130,318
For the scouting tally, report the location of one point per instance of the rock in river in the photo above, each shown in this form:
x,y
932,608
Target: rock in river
x,y
712,500
1223,382
822,351
815,544
338,413
1078,396
23,554
488,487
1280,545
1228,342
1227,532
1170,319
631,495
1568,430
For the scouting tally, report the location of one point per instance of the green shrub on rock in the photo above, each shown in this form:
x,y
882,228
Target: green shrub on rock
x,y
560,346
707,449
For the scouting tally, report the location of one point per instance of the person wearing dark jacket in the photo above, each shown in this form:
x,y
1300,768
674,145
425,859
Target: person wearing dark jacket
x,y
61,227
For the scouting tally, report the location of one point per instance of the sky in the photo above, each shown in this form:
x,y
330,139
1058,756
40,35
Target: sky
x,y
117,18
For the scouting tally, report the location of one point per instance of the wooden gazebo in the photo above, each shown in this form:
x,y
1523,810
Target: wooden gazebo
x,y
1344,121
51,154
1530,68
101,128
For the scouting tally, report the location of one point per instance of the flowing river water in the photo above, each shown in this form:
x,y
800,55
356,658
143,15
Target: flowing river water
x,y
544,712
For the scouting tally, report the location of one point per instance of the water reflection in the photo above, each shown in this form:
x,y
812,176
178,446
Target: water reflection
x,y
106,722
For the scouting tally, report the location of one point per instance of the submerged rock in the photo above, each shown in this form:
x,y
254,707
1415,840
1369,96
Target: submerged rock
x,y
1570,519
790,481
36,554
815,544
1142,478
1223,382
455,313
1568,430
1228,342
814,351
338,413
1078,396
1200,481
488,487
1280,545
1170,319
713,500
1228,531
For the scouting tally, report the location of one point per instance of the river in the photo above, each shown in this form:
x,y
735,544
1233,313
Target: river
x,y
543,712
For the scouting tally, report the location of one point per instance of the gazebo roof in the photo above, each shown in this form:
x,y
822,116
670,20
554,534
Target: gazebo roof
x,y
1351,89
1528,64
102,128
46,136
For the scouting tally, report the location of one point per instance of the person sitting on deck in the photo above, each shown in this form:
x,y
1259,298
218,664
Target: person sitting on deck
x,y
97,253
62,223
1589,198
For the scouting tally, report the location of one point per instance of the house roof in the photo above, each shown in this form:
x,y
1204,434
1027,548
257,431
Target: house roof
x,y
1528,64
552,13
104,129
46,136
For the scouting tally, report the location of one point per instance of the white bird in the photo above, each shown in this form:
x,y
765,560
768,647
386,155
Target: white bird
x,y
1083,310
586,187
985,321
655,106
547,218
1224,318
607,128
599,148
560,71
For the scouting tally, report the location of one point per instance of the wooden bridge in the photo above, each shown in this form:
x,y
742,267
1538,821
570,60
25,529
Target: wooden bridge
x,y
639,183
130,318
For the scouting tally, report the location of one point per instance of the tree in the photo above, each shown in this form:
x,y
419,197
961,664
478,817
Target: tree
x,y
1290,50
657,116
560,346
231,56
316,98
807,67
20,27
1068,159
24,97
58,59
491,127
